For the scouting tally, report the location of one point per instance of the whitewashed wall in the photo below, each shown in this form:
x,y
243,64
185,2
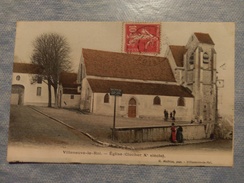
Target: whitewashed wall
x,y
30,91
68,102
86,97
144,108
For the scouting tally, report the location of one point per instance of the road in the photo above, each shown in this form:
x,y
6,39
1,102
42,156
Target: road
x,y
36,137
30,127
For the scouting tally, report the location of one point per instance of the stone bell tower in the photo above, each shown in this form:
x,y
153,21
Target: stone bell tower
x,y
200,75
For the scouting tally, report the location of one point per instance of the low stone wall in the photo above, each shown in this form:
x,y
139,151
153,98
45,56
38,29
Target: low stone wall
x,y
160,133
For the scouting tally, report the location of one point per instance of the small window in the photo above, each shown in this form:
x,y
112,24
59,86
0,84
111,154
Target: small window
x,y
106,98
18,78
156,101
181,101
39,91
72,97
122,108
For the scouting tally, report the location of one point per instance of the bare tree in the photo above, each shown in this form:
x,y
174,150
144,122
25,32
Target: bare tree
x,y
51,52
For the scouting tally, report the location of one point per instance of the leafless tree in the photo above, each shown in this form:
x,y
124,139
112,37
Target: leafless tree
x,y
51,52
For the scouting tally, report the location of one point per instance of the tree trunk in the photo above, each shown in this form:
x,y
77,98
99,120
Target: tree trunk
x,y
49,93
55,95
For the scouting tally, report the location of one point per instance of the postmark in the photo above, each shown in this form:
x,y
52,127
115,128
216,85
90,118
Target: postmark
x,y
142,38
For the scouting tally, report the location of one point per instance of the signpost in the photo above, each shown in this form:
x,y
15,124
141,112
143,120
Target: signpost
x,y
115,92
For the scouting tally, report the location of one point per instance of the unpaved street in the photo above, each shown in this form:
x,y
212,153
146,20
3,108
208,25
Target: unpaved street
x,y
38,138
30,127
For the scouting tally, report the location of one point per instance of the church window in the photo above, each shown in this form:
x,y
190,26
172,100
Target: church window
x,y
191,59
72,96
205,58
106,98
132,102
156,101
181,101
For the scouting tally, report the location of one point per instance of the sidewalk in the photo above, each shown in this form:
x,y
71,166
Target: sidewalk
x,y
98,128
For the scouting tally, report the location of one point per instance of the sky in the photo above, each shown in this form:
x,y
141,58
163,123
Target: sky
x,y
109,36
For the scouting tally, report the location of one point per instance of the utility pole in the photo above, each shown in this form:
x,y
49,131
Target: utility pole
x,y
115,92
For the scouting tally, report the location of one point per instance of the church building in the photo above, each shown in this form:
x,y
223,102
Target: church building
x,y
194,67
184,80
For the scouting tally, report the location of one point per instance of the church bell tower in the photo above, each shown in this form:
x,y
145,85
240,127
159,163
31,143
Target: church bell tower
x,y
200,75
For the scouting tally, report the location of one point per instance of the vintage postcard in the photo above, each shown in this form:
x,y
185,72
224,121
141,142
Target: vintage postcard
x,y
144,93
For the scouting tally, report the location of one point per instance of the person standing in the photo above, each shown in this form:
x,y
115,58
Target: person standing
x,y
165,114
173,133
179,135
171,115
174,112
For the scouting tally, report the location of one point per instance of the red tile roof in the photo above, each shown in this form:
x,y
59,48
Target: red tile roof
x,y
178,54
26,68
69,82
204,38
127,66
103,86
67,78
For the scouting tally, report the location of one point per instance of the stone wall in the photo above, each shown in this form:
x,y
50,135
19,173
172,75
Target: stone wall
x,y
160,133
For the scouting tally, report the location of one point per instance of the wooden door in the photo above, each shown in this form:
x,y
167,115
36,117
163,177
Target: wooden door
x,y
132,108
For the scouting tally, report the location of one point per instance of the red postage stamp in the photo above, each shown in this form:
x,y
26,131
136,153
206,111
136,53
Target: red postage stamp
x,y
142,38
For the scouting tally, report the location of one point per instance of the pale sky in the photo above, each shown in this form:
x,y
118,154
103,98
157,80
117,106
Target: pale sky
x,y
108,36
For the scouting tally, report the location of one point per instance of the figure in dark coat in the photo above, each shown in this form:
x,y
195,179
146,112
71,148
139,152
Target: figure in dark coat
x,y
179,135
165,114
174,112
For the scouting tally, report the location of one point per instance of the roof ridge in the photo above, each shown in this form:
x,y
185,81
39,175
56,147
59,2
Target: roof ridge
x,y
103,86
115,52
131,81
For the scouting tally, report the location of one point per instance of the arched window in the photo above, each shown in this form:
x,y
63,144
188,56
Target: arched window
x,y
181,101
132,102
205,58
156,101
191,59
106,98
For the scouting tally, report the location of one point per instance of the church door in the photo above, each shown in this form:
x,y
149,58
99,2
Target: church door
x,y
132,108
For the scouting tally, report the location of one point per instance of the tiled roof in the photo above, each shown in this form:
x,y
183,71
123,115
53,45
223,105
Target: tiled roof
x,y
68,80
127,66
204,38
103,86
26,68
178,54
